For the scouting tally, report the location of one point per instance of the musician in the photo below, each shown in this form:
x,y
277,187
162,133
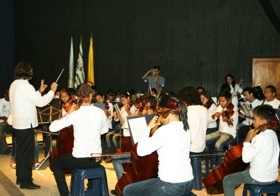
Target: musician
x,y
4,126
244,127
155,80
172,143
270,97
228,120
197,118
234,88
211,107
89,122
260,150
23,101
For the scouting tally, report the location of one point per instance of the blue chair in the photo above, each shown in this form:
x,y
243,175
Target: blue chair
x,y
258,190
97,175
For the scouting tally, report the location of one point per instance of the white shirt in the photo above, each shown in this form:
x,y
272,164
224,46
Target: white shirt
x,y
198,122
275,103
23,101
230,129
172,144
89,122
263,154
212,123
4,108
235,90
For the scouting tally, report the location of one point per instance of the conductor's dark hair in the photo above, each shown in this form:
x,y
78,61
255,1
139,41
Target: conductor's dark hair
x,y
23,70
182,112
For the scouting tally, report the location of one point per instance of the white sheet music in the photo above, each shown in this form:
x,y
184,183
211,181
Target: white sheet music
x,y
247,109
137,127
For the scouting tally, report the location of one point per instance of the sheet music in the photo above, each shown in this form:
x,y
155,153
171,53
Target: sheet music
x,y
137,127
247,109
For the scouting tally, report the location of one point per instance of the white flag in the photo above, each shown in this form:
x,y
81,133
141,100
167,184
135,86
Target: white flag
x,y
80,72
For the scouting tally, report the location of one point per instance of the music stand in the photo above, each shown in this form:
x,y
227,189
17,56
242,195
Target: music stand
x,y
46,115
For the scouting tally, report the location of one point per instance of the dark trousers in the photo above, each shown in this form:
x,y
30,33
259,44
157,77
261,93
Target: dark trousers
x,y
67,161
25,154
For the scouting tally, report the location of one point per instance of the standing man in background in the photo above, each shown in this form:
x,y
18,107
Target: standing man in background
x,y
23,101
155,80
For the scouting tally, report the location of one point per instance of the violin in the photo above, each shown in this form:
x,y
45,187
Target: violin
x,y
68,105
228,113
208,103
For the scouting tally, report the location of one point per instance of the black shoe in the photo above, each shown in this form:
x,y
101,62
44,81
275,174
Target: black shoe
x,y
114,192
29,186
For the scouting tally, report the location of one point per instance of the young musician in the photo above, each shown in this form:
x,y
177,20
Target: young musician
x,y
89,122
211,107
234,88
244,127
23,101
155,80
197,118
172,143
260,149
270,97
228,119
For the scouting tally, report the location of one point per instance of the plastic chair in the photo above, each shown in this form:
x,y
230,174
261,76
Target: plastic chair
x,y
258,190
97,175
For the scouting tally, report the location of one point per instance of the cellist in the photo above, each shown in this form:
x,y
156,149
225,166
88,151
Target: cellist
x,y
86,141
261,150
172,143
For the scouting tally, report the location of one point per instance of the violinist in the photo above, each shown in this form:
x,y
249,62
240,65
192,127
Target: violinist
x,y
260,149
211,107
86,141
228,120
175,175
234,88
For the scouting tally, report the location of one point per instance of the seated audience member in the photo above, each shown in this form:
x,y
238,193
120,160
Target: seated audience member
x,y
261,150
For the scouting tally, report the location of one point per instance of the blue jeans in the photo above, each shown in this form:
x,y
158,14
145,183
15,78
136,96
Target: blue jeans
x,y
232,180
4,128
155,186
220,138
117,163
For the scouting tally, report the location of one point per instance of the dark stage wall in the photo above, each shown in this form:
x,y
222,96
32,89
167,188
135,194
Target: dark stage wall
x,y
196,42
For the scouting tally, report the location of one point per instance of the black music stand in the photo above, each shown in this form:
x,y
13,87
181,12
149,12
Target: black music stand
x,y
46,115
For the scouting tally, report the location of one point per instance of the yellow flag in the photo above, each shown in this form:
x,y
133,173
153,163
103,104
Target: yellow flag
x,y
91,62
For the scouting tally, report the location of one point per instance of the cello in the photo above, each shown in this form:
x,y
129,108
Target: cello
x,y
139,170
231,163
65,138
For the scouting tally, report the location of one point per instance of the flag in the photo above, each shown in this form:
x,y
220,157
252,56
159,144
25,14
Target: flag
x,y
80,73
90,77
71,66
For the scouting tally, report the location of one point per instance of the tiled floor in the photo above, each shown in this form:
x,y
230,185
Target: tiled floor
x,y
44,177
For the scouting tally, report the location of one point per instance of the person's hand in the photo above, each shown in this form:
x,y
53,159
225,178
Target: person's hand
x,y
43,86
250,135
216,115
54,86
72,108
153,122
